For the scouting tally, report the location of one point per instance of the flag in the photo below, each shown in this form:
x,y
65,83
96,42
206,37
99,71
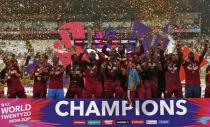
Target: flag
x,y
133,79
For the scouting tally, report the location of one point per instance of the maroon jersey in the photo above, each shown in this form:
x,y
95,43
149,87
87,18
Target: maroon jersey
x,y
151,69
192,71
56,77
110,70
41,74
122,61
91,71
172,73
125,59
170,68
76,74
208,74
12,79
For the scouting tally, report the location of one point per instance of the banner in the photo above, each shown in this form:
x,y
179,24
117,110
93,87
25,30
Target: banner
x,y
193,30
101,112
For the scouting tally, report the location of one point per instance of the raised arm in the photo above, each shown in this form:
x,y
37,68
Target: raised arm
x,y
27,60
141,48
80,55
138,51
104,50
140,40
67,72
162,58
100,55
180,55
203,53
32,74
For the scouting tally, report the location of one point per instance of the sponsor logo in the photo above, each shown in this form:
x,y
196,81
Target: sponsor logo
x,y
151,121
137,121
163,121
94,122
108,122
79,122
21,125
122,122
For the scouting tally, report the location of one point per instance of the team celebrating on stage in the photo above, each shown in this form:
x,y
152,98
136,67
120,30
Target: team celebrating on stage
x,y
112,74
